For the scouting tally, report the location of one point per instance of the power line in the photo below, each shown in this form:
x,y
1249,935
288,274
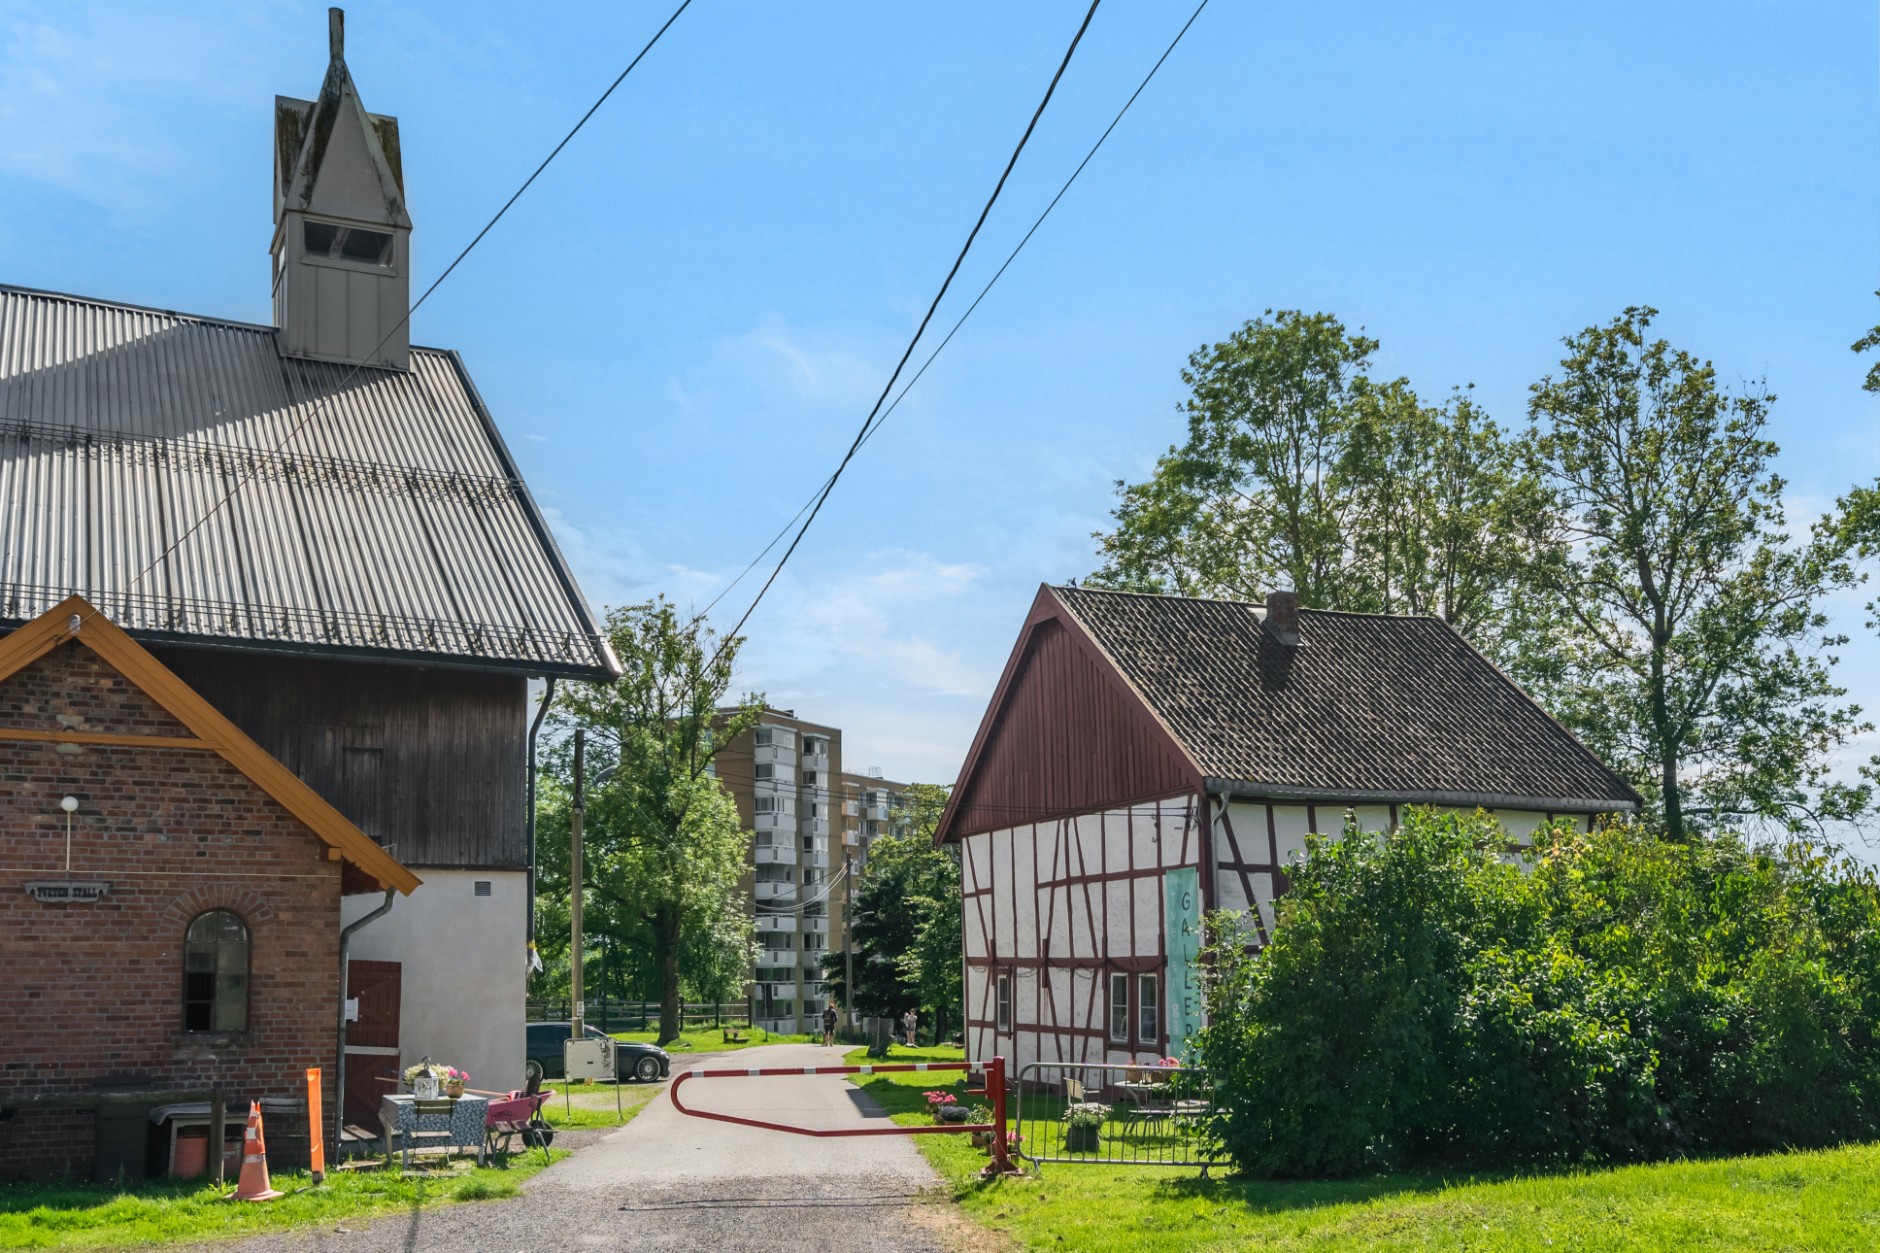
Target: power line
x,y
997,275
314,408
932,308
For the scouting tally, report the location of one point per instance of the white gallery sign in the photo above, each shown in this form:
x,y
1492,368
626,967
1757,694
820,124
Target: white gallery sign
x,y
67,891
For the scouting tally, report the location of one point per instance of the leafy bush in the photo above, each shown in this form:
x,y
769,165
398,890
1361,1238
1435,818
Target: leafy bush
x,y
1424,999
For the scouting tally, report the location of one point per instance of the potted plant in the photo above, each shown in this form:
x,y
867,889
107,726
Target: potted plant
x,y
426,1079
980,1119
937,1101
1081,1121
421,1078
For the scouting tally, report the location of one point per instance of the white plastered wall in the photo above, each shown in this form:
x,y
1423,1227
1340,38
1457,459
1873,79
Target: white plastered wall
x,y
1050,902
463,979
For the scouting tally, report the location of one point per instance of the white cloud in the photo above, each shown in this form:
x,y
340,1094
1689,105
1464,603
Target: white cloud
x,y
898,648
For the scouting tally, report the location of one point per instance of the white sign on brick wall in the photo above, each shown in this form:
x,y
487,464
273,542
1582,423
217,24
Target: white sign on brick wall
x,y
67,891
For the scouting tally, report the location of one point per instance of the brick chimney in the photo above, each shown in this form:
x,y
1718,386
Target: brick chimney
x,y
1282,615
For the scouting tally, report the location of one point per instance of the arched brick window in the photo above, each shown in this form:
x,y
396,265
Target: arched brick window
x,y
215,973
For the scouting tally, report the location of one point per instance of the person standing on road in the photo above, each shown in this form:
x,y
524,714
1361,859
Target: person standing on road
x,y
909,1022
829,1024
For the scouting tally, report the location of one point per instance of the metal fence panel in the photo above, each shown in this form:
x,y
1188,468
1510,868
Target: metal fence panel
x,y
1134,1115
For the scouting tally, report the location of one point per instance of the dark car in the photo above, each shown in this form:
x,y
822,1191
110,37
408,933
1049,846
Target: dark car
x,y
644,1062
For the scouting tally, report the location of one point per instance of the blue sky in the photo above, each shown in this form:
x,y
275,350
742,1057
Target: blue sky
x,y
682,324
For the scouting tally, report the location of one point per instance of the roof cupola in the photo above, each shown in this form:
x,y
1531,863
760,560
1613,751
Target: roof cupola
x,y
341,234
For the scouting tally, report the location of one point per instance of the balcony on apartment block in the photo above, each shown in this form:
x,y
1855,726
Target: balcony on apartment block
x,y
779,853
782,755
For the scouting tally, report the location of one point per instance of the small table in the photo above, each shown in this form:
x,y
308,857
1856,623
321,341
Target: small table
x,y
461,1127
197,1114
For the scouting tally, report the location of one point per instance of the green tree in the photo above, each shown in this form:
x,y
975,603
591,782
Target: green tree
x,y
1299,470
905,924
664,845
1426,1002
1688,647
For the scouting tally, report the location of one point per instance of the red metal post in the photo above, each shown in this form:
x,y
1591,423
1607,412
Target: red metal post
x,y
1001,1163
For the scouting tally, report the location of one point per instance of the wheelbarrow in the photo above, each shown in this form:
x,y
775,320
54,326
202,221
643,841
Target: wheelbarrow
x,y
518,1114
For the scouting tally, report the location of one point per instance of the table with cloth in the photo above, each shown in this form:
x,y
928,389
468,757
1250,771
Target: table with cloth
x,y
455,1122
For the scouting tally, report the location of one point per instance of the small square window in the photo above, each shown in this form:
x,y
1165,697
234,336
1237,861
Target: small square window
x,y
483,887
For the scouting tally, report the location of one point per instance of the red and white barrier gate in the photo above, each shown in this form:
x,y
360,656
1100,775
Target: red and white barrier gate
x,y
995,1091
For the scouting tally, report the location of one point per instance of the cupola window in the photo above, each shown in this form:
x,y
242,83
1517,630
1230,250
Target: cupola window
x,y
347,243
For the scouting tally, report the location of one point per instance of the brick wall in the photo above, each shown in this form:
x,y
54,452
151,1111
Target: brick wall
x,y
91,994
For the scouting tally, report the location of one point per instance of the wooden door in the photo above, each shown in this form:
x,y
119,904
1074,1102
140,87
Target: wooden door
x,y
376,986
371,1039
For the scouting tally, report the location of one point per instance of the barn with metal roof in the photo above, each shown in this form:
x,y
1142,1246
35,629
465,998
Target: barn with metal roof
x,y
316,530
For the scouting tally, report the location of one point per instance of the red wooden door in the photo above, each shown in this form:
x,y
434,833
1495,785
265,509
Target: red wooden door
x,y
371,1039
375,985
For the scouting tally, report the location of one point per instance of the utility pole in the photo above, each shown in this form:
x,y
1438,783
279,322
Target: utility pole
x,y
576,812
848,938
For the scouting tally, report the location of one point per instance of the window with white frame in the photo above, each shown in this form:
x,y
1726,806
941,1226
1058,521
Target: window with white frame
x,y
1004,1001
1119,1008
1148,1009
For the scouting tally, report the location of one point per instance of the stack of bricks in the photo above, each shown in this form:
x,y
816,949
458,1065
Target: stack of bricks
x,y
94,990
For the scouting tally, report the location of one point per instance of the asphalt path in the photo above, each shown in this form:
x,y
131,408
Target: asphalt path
x,y
668,1181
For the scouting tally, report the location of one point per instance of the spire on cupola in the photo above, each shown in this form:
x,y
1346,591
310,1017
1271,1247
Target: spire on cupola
x,y
341,234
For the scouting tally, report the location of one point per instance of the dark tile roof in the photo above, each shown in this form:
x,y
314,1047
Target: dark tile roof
x,y
1365,705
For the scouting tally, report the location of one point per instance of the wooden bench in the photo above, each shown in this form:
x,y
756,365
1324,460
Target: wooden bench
x,y
733,1035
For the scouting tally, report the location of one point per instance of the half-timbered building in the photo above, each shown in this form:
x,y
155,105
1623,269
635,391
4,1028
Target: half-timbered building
x,y
317,527
1146,759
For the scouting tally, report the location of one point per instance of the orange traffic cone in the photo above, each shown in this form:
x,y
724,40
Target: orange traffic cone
x,y
254,1184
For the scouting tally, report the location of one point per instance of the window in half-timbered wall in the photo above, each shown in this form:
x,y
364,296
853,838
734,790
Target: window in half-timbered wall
x,y
1148,1009
1119,1008
1004,1010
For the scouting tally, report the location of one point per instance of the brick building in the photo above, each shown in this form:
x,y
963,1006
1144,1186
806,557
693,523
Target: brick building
x,y
316,526
177,929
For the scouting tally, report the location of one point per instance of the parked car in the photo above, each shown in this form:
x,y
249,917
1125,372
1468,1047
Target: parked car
x,y
641,1062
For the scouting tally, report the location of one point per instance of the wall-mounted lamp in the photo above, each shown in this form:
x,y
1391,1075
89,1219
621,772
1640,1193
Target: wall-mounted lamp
x,y
70,806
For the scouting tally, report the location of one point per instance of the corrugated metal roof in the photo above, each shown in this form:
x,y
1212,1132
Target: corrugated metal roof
x,y
392,522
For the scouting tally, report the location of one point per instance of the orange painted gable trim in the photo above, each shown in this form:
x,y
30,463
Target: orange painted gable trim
x,y
74,620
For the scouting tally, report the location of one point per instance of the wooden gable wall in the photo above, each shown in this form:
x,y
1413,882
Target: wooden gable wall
x,y
429,761
1066,735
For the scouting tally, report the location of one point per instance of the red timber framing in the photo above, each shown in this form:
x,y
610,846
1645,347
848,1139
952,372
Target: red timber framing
x,y
1074,776
1058,909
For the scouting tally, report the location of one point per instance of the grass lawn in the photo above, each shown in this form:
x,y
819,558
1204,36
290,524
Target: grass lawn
x,y
712,1040
96,1216
99,1216
1826,1200
583,1105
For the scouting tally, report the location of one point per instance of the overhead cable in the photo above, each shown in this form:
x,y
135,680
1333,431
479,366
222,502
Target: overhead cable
x,y
869,433
887,389
242,480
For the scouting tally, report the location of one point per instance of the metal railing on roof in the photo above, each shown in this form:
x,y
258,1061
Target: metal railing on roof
x,y
281,624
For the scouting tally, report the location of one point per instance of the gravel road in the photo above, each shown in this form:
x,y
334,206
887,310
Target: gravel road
x,y
666,1181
